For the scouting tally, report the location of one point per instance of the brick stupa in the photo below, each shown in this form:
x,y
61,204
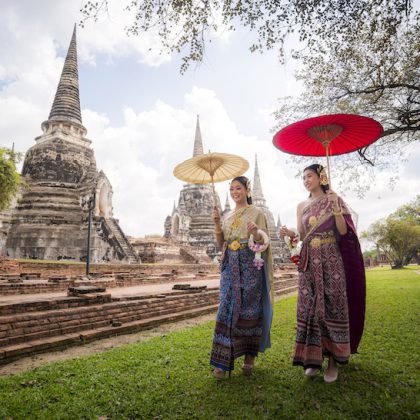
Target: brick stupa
x,y
51,218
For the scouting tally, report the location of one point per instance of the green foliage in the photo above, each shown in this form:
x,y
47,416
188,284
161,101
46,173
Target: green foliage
x,y
10,179
410,211
398,236
372,253
358,57
168,377
187,26
373,72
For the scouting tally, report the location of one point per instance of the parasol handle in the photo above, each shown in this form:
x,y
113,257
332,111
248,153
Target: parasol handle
x,y
214,191
328,165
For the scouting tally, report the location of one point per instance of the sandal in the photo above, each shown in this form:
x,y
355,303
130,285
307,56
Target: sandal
x,y
311,372
218,373
331,373
247,369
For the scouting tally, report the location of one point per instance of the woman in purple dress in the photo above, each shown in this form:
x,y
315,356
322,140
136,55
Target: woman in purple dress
x,y
331,298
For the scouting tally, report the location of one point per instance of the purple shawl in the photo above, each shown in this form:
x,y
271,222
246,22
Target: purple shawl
x,y
356,281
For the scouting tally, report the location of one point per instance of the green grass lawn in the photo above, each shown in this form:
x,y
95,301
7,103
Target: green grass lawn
x,y
168,377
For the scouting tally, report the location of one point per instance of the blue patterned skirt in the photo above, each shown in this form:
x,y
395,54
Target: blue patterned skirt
x,y
239,321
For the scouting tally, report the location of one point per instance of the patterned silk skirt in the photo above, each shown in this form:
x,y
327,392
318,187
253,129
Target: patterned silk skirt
x,y
239,318
322,311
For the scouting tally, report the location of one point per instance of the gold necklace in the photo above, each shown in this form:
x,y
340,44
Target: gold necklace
x,y
237,219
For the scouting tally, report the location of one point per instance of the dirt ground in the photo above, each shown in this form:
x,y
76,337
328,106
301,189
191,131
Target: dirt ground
x,y
37,360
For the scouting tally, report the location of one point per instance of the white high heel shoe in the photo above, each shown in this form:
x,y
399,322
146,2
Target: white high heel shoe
x,y
311,372
331,374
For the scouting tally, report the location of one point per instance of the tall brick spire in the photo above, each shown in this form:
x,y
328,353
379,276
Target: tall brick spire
x,y
227,205
198,142
257,194
66,104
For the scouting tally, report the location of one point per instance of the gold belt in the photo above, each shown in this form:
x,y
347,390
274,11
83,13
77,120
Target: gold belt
x,y
235,245
317,242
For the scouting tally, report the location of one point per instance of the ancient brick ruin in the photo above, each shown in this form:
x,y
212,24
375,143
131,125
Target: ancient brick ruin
x,y
279,249
191,220
46,306
50,219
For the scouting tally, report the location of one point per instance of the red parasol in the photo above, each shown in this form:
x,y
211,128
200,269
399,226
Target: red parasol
x,y
328,135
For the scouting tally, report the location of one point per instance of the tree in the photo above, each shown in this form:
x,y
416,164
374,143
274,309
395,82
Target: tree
x,y
357,56
410,211
186,26
10,179
376,74
398,236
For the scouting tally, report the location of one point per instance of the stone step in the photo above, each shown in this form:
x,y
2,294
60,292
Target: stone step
x,y
53,192
57,207
286,290
80,307
45,320
284,283
23,327
96,320
60,318
51,195
8,289
118,280
33,220
26,331
51,304
52,329
13,352
54,212
122,240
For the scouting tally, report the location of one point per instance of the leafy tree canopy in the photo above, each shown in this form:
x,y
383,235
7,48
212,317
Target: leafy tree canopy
x,y
187,25
398,236
410,212
10,179
357,56
372,73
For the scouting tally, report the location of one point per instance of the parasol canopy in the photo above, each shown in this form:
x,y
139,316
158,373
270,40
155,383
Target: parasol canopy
x,y
326,135
210,168
339,133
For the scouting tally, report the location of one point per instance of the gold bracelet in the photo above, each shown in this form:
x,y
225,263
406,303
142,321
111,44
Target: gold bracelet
x,y
337,213
218,232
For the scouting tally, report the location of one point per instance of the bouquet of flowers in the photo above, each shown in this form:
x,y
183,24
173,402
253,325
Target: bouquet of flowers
x,y
295,245
258,248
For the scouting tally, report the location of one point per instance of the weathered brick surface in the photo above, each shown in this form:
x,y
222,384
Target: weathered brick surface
x,y
141,274
31,327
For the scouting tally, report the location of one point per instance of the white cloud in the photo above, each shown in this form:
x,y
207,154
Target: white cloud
x,y
139,156
108,36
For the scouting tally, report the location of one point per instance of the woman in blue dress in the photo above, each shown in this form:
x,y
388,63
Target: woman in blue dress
x,y
246,285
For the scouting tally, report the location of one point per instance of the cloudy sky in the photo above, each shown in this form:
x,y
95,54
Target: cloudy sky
x,y
140,112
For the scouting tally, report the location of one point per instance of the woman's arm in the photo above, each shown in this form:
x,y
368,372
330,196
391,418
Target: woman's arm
x,y
285,231
218,227
337,212
299,220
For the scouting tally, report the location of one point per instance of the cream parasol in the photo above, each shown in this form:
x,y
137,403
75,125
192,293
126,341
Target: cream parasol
x,y
210,168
